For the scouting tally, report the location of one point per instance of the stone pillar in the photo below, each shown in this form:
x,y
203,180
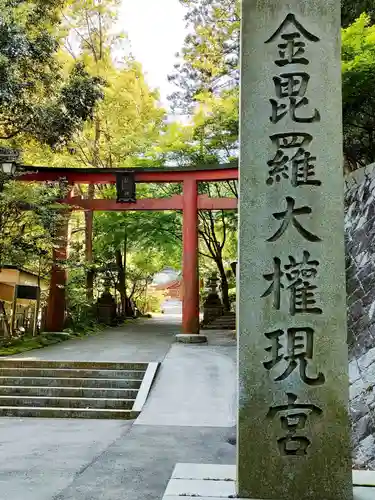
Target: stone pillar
x,y
293,431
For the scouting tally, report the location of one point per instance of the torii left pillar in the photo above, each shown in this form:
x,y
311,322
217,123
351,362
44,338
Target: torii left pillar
x,y
57,294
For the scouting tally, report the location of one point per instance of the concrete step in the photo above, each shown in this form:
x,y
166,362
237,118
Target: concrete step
x,y
44,402
30,363
89,382
19,411
222,323
62,389
213,326
68,392
67,372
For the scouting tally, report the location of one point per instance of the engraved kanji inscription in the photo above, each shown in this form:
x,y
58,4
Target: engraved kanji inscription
x,y
297,165
291,84
293,349
297,279
293,419
300,275
289,216
292,47
291,140
276,283
280,110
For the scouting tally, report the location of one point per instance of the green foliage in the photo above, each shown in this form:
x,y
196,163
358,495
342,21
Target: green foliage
x,y
150,303
81,316
358,55
210,56
26,343
352,9
29,221
151,241
209,65
35,101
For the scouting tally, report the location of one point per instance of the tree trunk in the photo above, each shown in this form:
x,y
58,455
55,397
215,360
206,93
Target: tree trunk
x,y
121,285
89,217
224,285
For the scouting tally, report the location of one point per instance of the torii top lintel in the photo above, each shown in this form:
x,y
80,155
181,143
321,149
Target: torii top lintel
x,y
204,173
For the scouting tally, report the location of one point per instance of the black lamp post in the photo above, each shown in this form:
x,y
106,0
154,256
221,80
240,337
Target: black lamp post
x,y
8,168
8,164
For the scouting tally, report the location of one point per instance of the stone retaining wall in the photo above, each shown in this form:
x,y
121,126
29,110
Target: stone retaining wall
x,y
360,271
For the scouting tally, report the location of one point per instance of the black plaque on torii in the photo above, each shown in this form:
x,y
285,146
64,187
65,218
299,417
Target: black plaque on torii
x,y
126,188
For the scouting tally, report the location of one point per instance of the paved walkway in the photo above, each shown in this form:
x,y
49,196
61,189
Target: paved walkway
x,y
188,418
196,387
142,340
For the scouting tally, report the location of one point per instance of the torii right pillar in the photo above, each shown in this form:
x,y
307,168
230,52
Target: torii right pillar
x,y
190,262
293,428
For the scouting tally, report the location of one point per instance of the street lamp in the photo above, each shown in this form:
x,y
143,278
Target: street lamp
x,y
8,168
8,164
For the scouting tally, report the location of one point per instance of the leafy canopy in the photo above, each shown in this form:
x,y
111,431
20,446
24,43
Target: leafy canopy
x,y
35,100
358,67
352,9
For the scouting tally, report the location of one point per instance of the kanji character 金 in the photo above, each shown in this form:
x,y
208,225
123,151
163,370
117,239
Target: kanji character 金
x,y
292,48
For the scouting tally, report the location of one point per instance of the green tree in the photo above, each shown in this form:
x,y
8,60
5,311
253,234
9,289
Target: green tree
x,y
124,124
209,60
351,10
358,56
133,246
35,100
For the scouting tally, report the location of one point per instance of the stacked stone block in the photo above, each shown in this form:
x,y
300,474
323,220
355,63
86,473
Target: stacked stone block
x,y
360,273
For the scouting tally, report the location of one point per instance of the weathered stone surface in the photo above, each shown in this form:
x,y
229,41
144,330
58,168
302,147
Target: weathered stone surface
x,y
354,373
289,224
369,375
356,389
363,428
191,338
364,453
367,359
358,409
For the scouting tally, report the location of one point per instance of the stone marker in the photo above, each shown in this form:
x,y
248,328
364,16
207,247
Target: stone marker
x,y
293,430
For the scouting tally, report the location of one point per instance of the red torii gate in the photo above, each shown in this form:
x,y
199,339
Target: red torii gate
x,y
189,203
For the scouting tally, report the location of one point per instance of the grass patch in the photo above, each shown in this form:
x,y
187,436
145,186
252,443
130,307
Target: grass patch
x,y
27,343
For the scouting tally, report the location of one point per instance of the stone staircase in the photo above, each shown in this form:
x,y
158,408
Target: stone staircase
x,y
225,322
74,389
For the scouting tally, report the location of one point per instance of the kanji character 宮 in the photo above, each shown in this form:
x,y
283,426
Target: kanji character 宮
x,y
293,420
